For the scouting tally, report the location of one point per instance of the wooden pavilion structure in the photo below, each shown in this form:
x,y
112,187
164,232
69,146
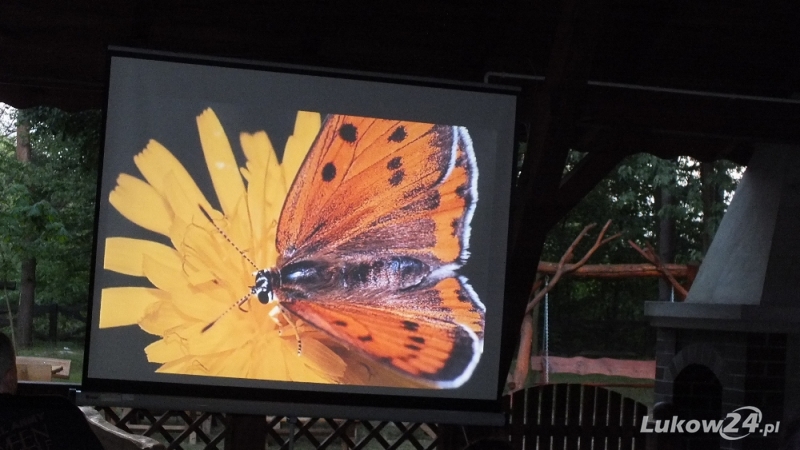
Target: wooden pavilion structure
x,y
709,79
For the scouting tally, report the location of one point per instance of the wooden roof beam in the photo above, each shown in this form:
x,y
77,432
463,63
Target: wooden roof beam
x,y
555,113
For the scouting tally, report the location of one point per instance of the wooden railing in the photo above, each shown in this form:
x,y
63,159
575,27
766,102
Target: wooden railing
x,y
574,416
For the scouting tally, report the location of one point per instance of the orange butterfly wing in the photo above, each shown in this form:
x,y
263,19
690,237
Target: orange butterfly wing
x,y
372,185
373,189
434,333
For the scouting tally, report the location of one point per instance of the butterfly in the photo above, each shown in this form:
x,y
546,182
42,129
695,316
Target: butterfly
x,y
372,232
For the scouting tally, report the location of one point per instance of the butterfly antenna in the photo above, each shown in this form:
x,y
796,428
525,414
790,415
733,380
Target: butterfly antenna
x,y
235,304
225,235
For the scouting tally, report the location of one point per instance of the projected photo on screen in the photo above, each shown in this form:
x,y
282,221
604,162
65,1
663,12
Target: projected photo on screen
x,y
298,236
337,263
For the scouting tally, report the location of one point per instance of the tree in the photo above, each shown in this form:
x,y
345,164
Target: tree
x,y
584,308
47,207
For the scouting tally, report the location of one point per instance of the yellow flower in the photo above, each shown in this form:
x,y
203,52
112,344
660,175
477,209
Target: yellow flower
x,y
203,276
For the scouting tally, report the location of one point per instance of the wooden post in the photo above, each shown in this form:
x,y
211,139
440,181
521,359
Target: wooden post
x,y
247,432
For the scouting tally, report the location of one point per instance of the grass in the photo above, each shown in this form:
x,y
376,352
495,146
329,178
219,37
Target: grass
x,y
72,351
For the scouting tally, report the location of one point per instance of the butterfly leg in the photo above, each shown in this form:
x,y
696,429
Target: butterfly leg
x,y
274,315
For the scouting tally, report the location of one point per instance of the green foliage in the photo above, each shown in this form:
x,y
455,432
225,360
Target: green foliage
x,y
47,205
600,316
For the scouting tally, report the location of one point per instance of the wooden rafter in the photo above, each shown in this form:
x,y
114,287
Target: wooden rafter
x,y
555,111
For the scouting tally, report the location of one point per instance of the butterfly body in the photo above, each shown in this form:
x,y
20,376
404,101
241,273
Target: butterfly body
x,y
304,280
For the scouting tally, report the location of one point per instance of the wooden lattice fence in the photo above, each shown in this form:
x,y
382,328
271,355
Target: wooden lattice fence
x,y
182,430
551,417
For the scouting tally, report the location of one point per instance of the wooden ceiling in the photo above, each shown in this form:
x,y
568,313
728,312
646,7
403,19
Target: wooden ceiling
x,y
710,79
644,55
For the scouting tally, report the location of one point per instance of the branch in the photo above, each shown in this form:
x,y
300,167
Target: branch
x,y
523,366
651,256
528,327
564,269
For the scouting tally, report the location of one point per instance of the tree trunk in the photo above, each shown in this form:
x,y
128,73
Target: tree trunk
x,y
666,241
28,275
708,195
26,297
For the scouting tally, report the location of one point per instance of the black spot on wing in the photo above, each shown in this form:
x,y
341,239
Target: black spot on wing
x,y
348,132
463,192
340,323
468,198
366,338
410,326
399,134
328,172
416,348
418,339
430,202
456,224
394,163
433,200
397,177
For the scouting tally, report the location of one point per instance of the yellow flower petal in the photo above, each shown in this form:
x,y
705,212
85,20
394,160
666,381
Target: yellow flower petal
x,y
306,127
208,321
165,350
220,161
138,202
322,359
163,319
120,306
188,365
185,208
158,165
125,255
264,363
265,194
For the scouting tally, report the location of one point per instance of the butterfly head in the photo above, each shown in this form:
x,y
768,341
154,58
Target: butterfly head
x,y
266,282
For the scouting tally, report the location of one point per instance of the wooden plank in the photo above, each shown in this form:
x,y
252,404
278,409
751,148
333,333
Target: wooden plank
x,y
559,432
573,416
614,417
545,429
532,417
601,366
600,428
587,416
639,415
627,424
59,367
516,410
33,372
614,271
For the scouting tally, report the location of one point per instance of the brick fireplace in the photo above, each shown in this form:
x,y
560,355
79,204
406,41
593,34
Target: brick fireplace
x,y
735,341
